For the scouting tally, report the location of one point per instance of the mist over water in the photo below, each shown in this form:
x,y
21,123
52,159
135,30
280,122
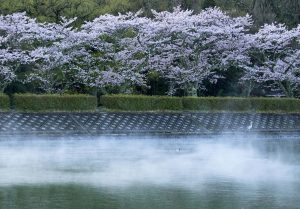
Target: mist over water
x,y
251,168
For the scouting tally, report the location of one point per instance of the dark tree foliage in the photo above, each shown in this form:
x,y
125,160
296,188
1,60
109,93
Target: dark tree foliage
x,y
267,11
209,3
287,11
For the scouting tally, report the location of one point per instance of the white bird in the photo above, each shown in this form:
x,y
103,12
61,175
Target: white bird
x,y
250,126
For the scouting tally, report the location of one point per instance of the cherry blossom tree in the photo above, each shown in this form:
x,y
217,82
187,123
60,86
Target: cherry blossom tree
x,y
187,49
183,48
51,61
120,50
118,55
275,56
15,30
20,37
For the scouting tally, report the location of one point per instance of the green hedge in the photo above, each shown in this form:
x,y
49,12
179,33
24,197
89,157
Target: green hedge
x,y
141,103
216,103
4,102
204,104
54,102
276,104
259,104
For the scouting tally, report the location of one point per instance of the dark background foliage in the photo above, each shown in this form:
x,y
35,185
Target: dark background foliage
x,y
263,11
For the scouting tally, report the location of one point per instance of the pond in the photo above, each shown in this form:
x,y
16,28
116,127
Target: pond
x,y
136,172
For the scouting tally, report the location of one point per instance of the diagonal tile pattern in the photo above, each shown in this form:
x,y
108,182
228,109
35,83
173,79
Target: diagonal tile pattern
x,y
124,122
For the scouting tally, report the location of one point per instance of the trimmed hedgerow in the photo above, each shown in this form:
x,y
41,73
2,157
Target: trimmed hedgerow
x,y
216,104
4,102
54,102
205,104
140,102
275,104
239,104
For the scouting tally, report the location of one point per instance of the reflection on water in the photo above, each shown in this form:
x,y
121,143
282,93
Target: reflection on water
x,y
157,172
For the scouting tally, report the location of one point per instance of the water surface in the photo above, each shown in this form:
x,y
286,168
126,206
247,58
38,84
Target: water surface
x,y
149,172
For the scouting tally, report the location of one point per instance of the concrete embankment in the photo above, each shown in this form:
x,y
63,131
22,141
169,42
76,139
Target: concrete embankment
x,y
148,122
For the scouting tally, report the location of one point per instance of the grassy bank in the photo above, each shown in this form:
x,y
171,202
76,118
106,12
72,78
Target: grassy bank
x,y
202,104
53,102
4,102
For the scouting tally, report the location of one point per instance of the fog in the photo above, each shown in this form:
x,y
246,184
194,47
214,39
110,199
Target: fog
x,y
125,161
